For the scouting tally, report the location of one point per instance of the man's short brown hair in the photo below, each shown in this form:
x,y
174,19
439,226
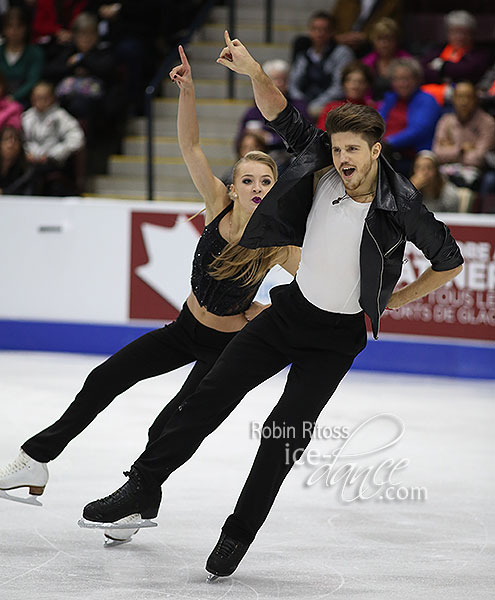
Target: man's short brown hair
x,y
356,118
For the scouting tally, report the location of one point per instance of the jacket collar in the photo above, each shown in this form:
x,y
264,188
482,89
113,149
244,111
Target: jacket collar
x,y
384,198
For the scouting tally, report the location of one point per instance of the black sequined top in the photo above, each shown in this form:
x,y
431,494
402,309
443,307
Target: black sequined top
x,y
221,297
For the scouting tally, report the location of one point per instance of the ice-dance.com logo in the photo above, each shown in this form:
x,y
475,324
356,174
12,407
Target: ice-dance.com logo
x,y
342,467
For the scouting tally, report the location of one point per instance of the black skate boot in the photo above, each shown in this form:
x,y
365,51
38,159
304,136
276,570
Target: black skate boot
x,y
130,499
225,558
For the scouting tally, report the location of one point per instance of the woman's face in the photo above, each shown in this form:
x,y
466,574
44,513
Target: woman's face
x,y
10,146
355,86
460,37
252,182
15,32
425,168
404,82
385,46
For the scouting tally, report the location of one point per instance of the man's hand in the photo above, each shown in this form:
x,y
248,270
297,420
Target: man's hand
x,y
181,74
236,57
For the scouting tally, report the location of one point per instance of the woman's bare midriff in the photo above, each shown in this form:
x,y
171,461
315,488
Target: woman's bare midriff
x,y
226,324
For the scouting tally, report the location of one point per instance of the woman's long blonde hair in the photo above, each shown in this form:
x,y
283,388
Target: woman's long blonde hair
x,y
244,264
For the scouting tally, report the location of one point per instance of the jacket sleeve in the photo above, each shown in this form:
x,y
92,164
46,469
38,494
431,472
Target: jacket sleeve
x,y
71,137
421,117
297,132
432,237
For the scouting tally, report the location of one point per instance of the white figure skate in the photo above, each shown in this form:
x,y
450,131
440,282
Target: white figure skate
x,y
22,472
121,531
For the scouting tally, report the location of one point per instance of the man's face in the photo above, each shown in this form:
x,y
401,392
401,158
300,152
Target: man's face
x,y
464,101
353,158
320,32
404,83
460,37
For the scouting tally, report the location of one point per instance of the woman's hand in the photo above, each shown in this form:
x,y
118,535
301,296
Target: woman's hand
x,y
254,310
181,74
395,301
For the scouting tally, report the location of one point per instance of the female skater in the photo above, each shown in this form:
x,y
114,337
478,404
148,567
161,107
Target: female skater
x,y
225,279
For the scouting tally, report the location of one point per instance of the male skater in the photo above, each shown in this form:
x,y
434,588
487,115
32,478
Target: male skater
x,y
353,232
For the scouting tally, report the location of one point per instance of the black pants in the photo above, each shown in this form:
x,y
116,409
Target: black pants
x,y
157,352
321,347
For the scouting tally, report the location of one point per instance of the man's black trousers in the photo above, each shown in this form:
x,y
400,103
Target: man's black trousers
x,y
321,347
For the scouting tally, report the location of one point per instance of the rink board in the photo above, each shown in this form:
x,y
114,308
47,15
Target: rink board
x,y
91,275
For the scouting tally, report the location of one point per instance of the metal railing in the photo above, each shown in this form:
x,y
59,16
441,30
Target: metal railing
x,y
171,59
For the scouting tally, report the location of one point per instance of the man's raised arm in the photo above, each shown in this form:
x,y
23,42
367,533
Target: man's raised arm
x,y
269,99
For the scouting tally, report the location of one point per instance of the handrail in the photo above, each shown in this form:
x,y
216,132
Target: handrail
x,y
171,59
151,89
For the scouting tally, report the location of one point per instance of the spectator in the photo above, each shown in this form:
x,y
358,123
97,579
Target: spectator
x,y
84,73
486,90
10,110
410,114
354,19
385,38
15,174
356,82
21,63
459,59
464,137
317,71
249,141
53,19
131,26
52,135
253,120
439,195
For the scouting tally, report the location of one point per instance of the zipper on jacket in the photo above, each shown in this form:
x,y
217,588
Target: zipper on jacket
x,y
381,280
393,247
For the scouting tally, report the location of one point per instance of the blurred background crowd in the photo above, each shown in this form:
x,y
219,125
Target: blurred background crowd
x,y
72,72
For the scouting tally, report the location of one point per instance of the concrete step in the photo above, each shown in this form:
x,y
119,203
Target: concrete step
x,y
163,167
251,32
136,185
213,88
210,128
164,147
294,15
209,51
206,108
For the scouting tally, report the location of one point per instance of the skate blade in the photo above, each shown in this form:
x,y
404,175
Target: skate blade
x,y
109,543
33,500
138,524
212,578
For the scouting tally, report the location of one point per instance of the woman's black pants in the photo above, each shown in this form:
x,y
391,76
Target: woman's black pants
x,y
321,347
157,352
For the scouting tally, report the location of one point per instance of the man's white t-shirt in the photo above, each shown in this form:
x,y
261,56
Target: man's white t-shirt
x,y
329,274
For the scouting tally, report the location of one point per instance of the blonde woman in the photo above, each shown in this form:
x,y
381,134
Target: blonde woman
x,y
225,279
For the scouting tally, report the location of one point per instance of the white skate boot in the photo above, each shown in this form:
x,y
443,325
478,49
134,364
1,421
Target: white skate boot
x,y
24,471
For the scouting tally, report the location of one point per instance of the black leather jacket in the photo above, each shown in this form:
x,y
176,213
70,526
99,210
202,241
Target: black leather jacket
x,y
396,214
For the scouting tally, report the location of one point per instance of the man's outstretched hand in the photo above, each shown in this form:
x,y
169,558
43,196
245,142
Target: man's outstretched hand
x,y
236,57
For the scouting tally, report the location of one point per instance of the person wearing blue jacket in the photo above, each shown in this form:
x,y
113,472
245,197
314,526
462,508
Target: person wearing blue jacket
x,y
410,114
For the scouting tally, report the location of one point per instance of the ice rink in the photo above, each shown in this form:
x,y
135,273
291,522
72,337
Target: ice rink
x,y
317,541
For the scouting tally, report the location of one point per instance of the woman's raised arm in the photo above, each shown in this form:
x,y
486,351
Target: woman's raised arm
x,y
210,187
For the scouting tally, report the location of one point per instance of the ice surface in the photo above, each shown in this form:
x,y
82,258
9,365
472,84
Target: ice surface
x,y
313,545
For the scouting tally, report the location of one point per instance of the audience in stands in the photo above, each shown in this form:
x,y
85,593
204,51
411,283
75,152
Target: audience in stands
x,y
53,20
410,114
463,138
249,141
316,73
83,72
131,27
52,136
356,83
385,38
439,195
16,175
459,59
20,62
355,19
253,120
10,110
